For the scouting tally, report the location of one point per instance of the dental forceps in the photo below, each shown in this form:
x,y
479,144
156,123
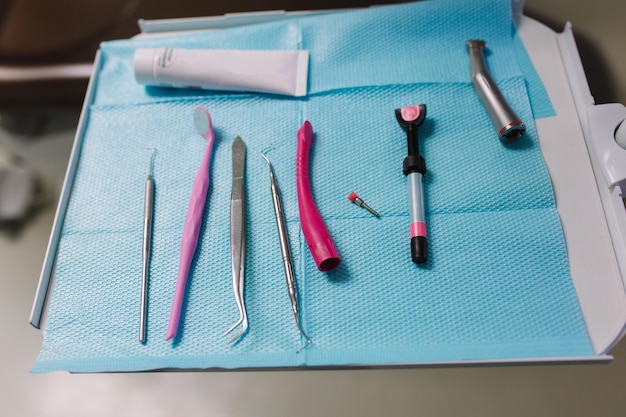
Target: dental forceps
x,y
238,234
286,252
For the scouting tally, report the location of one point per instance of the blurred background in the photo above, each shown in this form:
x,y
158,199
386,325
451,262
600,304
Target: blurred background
x,y
36,37
46,53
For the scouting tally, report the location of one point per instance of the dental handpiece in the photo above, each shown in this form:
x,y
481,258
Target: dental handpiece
x,y
414,167
508,125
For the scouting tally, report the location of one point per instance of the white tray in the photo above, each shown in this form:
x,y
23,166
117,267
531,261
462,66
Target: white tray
x,y
587,168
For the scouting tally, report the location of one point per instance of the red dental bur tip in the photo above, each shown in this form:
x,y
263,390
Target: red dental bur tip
x,y
356,200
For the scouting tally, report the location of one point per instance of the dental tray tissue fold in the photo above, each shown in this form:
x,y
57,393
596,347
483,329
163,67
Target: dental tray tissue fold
x,y
527,241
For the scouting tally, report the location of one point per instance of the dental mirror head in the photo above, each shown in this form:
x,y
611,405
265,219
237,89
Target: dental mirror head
x,y
202,121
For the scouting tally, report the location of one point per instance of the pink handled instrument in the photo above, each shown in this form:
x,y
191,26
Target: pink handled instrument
x,y
193,221
317,237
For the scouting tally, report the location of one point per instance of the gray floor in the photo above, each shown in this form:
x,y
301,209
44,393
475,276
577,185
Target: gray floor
x,y
568,390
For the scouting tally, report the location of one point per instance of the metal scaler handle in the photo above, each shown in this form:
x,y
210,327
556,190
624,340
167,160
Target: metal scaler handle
x,y
283,238
508,125
148,212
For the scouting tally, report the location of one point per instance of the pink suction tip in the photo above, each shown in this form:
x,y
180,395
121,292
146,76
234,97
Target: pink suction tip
x,y
315,233
352,196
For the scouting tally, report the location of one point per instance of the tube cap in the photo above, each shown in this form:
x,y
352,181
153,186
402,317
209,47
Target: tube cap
x,y
144,66
419,249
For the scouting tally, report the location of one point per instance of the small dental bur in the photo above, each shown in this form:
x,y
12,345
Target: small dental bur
x,y
508,125
356,200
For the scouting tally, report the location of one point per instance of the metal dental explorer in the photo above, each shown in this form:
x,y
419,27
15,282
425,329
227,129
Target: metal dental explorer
x,y
238,234
285,251
148,210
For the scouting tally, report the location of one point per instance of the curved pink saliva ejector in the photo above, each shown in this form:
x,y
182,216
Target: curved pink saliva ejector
x,y
317,237
193,221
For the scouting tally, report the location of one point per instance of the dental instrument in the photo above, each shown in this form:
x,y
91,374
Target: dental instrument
x,y
508,125
357,200
315,233
238,234
286,252
148,210
414,167
193,221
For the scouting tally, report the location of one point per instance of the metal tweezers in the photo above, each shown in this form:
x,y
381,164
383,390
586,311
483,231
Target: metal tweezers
x,y
238,234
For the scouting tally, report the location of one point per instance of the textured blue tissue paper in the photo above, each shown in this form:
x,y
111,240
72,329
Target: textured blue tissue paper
x,y
497,285
410,43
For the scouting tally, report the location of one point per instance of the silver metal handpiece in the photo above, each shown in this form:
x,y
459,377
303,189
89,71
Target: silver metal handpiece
x,y
286,253
508,125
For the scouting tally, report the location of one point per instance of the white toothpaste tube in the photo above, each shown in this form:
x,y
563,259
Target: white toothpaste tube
x,y
277,72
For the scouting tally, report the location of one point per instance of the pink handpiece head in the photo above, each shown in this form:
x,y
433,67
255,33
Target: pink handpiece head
x,y
193,220
317,237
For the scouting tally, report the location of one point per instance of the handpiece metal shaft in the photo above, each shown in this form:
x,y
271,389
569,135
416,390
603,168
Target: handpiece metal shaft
x,y
508,125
